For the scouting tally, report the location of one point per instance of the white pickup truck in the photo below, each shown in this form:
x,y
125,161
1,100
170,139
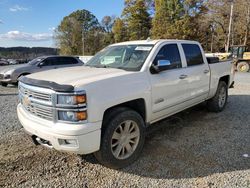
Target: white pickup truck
x,y
104,106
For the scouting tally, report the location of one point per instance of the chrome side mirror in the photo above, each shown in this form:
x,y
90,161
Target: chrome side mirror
x,y
161,66
163,63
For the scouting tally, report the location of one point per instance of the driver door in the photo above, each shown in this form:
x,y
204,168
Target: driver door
x,y
46,64
169,86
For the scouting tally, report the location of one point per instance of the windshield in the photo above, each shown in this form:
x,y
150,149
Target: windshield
x,y
35,61
126,57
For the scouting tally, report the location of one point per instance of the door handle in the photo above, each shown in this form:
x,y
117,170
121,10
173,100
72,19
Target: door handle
x,y
206,71
183,76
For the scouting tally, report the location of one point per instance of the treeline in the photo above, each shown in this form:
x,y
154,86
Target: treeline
x,y
206,21
26,52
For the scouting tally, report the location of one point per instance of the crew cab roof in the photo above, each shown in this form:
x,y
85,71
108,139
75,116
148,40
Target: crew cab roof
x,y
150,42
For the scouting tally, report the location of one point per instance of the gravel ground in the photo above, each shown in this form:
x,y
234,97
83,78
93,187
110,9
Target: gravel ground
x,y
192,149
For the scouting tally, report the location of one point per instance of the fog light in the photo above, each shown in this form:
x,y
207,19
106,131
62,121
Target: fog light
x,y
68,142
7,76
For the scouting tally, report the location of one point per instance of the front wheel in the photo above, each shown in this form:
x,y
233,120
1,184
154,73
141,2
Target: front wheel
x,y
122,138
243,66
218,102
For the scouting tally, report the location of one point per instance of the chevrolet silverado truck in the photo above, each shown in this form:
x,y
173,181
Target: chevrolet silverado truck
x,y
104,107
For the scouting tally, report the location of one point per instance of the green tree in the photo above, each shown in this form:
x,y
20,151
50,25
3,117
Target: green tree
x,y
137,19
80,27
169,16
176,18
119,30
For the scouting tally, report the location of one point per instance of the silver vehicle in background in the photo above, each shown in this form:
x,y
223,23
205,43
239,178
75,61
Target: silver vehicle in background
x,y
11,74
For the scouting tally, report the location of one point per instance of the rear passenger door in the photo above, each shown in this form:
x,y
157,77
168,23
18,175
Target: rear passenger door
x,y
197,73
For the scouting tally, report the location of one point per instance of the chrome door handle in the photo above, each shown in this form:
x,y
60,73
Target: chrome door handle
x,y
206,71
183,76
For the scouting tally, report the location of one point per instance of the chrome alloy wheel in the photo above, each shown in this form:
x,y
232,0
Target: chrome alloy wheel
x,y
125,139
222,97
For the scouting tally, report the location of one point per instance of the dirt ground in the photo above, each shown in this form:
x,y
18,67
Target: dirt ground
x,y
194,148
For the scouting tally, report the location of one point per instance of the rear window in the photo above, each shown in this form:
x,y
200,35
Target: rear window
x,y
193,54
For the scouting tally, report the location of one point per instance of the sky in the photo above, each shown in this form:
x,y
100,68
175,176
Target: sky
x,y
31,23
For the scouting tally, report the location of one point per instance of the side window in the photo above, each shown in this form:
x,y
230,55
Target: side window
x,y
169,52
193,54
65,61
69,60
59,61
48,61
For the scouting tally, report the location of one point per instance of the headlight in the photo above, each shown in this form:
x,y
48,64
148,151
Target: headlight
x,y
72,116
71,99
6,76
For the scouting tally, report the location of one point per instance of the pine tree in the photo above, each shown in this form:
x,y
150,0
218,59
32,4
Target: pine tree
x,y
137,19
119,30
176,19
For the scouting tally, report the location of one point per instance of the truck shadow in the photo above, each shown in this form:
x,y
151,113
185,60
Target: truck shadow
x,y
196,143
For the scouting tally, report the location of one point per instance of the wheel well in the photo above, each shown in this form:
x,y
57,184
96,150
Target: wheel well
x,y
225,79
23,74
138,105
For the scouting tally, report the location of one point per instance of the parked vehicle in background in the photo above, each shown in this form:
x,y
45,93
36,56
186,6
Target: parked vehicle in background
x,y
241,55
12,61
4,62
105,106
10,75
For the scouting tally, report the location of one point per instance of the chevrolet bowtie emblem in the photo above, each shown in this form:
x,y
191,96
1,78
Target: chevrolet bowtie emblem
x,y
26,101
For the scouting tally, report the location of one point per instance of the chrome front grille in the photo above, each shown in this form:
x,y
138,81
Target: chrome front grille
x,y
45,113
37,101
35,94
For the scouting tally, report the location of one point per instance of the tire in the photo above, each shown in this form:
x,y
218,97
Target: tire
x,y
4,84
218,102
113,151
243,66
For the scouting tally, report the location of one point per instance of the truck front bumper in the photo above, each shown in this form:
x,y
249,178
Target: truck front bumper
x,y
75,138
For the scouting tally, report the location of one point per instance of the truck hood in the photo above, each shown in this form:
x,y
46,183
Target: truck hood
x,y
77,76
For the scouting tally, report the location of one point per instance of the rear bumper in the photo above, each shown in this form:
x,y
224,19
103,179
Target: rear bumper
x,y
85,143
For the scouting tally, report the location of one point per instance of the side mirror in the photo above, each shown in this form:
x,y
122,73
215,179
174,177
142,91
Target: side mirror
x,y
40,64
161,66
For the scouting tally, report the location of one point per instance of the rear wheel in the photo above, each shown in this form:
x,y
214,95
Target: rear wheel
x,y
4,84
122,138
218,102
243,66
